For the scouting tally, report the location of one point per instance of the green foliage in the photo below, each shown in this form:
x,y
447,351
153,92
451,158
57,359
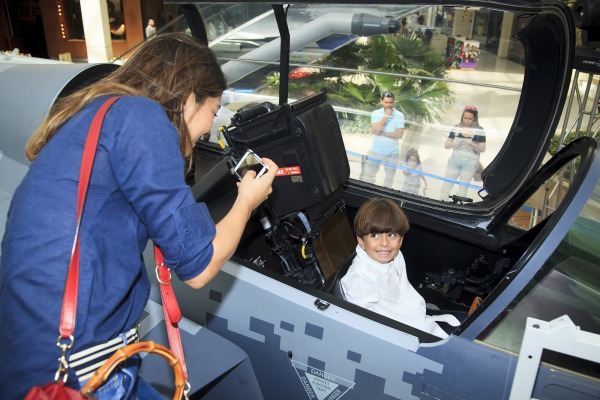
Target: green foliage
x,y
553,148
406,55
270,85
353,95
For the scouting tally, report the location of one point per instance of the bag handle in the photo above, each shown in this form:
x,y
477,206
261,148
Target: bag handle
x,y
123,354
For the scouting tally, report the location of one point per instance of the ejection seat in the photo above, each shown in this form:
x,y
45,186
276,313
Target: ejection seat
x,y
304,219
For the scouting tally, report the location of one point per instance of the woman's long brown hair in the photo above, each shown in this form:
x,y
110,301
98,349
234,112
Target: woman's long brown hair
x,y
166,68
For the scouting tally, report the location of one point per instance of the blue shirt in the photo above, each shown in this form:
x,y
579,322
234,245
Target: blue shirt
x,y
137,191
382,144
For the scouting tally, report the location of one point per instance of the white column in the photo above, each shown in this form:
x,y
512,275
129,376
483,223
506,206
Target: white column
x,y
94,14
505,34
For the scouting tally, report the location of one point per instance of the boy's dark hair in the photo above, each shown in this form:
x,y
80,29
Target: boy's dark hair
x,y
380,216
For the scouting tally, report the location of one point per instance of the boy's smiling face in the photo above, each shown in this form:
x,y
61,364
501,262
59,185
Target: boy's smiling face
x,y
381,247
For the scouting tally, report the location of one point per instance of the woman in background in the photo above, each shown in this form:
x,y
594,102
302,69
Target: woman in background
x,y
467,141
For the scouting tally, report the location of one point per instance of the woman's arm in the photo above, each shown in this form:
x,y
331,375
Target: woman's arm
x,y
478,142
449,143
251,193
479,146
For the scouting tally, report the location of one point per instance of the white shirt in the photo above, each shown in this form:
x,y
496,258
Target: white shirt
x,y
385,289
150,30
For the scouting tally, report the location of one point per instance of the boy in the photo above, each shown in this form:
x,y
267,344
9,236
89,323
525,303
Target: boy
x,y
377,279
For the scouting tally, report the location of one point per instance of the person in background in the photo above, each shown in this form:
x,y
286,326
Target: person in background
x,y
116,21
377,278
413,175
387,127
170,90
150,28
467,141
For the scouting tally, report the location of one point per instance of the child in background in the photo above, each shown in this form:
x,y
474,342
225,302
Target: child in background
x,y
412,176
377,278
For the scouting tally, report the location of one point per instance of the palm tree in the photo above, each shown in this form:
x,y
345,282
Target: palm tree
x,y
418,98
411,61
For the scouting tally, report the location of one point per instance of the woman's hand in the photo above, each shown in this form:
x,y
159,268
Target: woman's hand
x,y
253,191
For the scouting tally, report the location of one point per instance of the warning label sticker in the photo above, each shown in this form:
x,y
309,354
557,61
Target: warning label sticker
x,y
288,171
320,385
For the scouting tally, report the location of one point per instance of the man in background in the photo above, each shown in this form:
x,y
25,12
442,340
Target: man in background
x,y
387,127
150,28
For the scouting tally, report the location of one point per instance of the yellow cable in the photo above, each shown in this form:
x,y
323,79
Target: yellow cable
x,y
219,130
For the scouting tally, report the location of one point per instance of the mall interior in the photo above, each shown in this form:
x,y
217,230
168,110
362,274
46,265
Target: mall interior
x,y
68,29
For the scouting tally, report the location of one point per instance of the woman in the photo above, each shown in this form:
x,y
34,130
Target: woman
x,y
171,90
467,141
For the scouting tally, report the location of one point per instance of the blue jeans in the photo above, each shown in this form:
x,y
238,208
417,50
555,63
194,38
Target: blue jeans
x,y
372,167
461,167
125,384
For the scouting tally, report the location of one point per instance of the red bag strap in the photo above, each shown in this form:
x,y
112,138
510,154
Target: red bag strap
x,y
69,305
170,308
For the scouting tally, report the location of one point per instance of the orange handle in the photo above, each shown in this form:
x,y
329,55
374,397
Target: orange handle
x,y
123,354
